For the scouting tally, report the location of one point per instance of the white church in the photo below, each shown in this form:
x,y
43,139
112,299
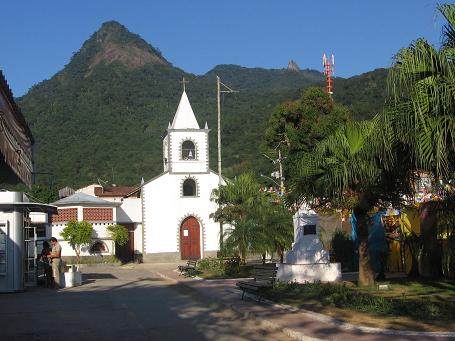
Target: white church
x,y
176,205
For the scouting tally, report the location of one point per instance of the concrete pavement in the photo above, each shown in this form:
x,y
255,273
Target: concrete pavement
x,y
123,303
152,302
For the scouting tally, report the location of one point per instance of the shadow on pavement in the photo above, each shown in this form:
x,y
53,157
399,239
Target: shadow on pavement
x,y
143,308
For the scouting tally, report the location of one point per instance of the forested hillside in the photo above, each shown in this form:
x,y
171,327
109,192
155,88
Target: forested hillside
x,y
103,115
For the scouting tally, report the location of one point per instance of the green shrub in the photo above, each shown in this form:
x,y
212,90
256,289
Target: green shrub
x,y
219,267
77,234
232,266
119,234
211,265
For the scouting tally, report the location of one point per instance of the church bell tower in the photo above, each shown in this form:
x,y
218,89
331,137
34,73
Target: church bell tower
x,y
186,145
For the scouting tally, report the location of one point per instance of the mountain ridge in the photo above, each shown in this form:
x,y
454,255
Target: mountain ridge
x,y
103,118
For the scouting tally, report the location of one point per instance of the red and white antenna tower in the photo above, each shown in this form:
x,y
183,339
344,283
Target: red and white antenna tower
x,y
329,64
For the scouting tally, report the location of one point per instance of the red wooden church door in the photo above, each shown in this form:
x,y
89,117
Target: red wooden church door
x,y
190,244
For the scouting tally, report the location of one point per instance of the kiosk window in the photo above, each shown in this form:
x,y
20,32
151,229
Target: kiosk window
x,y
3,248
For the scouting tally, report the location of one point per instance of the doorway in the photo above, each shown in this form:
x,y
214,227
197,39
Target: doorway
x,y
190,238
125,253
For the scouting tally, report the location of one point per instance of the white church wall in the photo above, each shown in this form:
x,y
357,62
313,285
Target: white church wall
x,y
212,229
138,240
200,164
165,209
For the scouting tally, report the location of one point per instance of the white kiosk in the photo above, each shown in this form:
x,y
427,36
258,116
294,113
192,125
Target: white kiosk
x,y
308,261
18,248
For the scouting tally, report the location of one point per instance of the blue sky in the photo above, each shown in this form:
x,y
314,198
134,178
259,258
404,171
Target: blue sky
x,y
39,37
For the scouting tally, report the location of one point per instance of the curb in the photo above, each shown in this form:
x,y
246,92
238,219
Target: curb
x,y
320,317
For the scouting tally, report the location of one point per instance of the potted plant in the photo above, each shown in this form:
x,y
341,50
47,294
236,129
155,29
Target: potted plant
x,y
77,234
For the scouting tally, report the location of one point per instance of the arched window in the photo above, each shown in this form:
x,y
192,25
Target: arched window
x,y
188,150
189,188
98,247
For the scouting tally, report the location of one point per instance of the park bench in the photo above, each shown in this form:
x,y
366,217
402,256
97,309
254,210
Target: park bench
x,y
264,277
190,266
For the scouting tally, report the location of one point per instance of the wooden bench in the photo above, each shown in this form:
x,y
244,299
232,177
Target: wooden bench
x,y
190,266
264,277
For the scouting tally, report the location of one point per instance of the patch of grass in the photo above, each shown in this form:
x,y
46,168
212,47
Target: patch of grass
x,y
418,290
419,301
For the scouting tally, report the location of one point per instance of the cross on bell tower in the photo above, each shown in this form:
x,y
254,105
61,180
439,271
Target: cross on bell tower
x,y
183,81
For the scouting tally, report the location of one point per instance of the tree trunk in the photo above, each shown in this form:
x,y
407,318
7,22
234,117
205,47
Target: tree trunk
x,y
78,257
366,273
263,258
243,253
242,246
413,250
221,239
430,261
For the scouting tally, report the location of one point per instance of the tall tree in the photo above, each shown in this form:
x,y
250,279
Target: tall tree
x,y
260,223
421,113
421,103
296,126
348,170
237,200
43,193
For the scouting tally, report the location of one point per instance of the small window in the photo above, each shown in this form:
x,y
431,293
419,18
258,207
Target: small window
x,y
189,188
188,150
309,229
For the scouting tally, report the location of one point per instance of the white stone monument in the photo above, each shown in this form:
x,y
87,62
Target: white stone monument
x,y
308,261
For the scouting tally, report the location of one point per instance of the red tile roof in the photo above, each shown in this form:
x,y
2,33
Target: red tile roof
x,y
119,191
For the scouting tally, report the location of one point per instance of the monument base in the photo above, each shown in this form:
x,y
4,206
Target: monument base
x,y
301,273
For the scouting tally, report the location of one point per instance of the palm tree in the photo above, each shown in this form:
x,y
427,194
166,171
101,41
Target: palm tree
x,y
349,170
421,109
239,201
279,230
421,103
260,224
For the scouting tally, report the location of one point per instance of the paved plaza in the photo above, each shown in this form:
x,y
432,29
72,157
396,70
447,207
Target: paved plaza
x,y
153,302
123,303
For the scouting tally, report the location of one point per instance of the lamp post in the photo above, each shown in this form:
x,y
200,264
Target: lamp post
x,y
220,90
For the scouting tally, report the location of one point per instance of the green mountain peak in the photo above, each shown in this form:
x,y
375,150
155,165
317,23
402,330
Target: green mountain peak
x,y
114,43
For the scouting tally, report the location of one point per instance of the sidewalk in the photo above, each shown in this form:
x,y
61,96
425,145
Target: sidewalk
x,y
299,324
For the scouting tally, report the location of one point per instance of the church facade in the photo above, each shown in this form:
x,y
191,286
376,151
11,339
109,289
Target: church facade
x,y
176,205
